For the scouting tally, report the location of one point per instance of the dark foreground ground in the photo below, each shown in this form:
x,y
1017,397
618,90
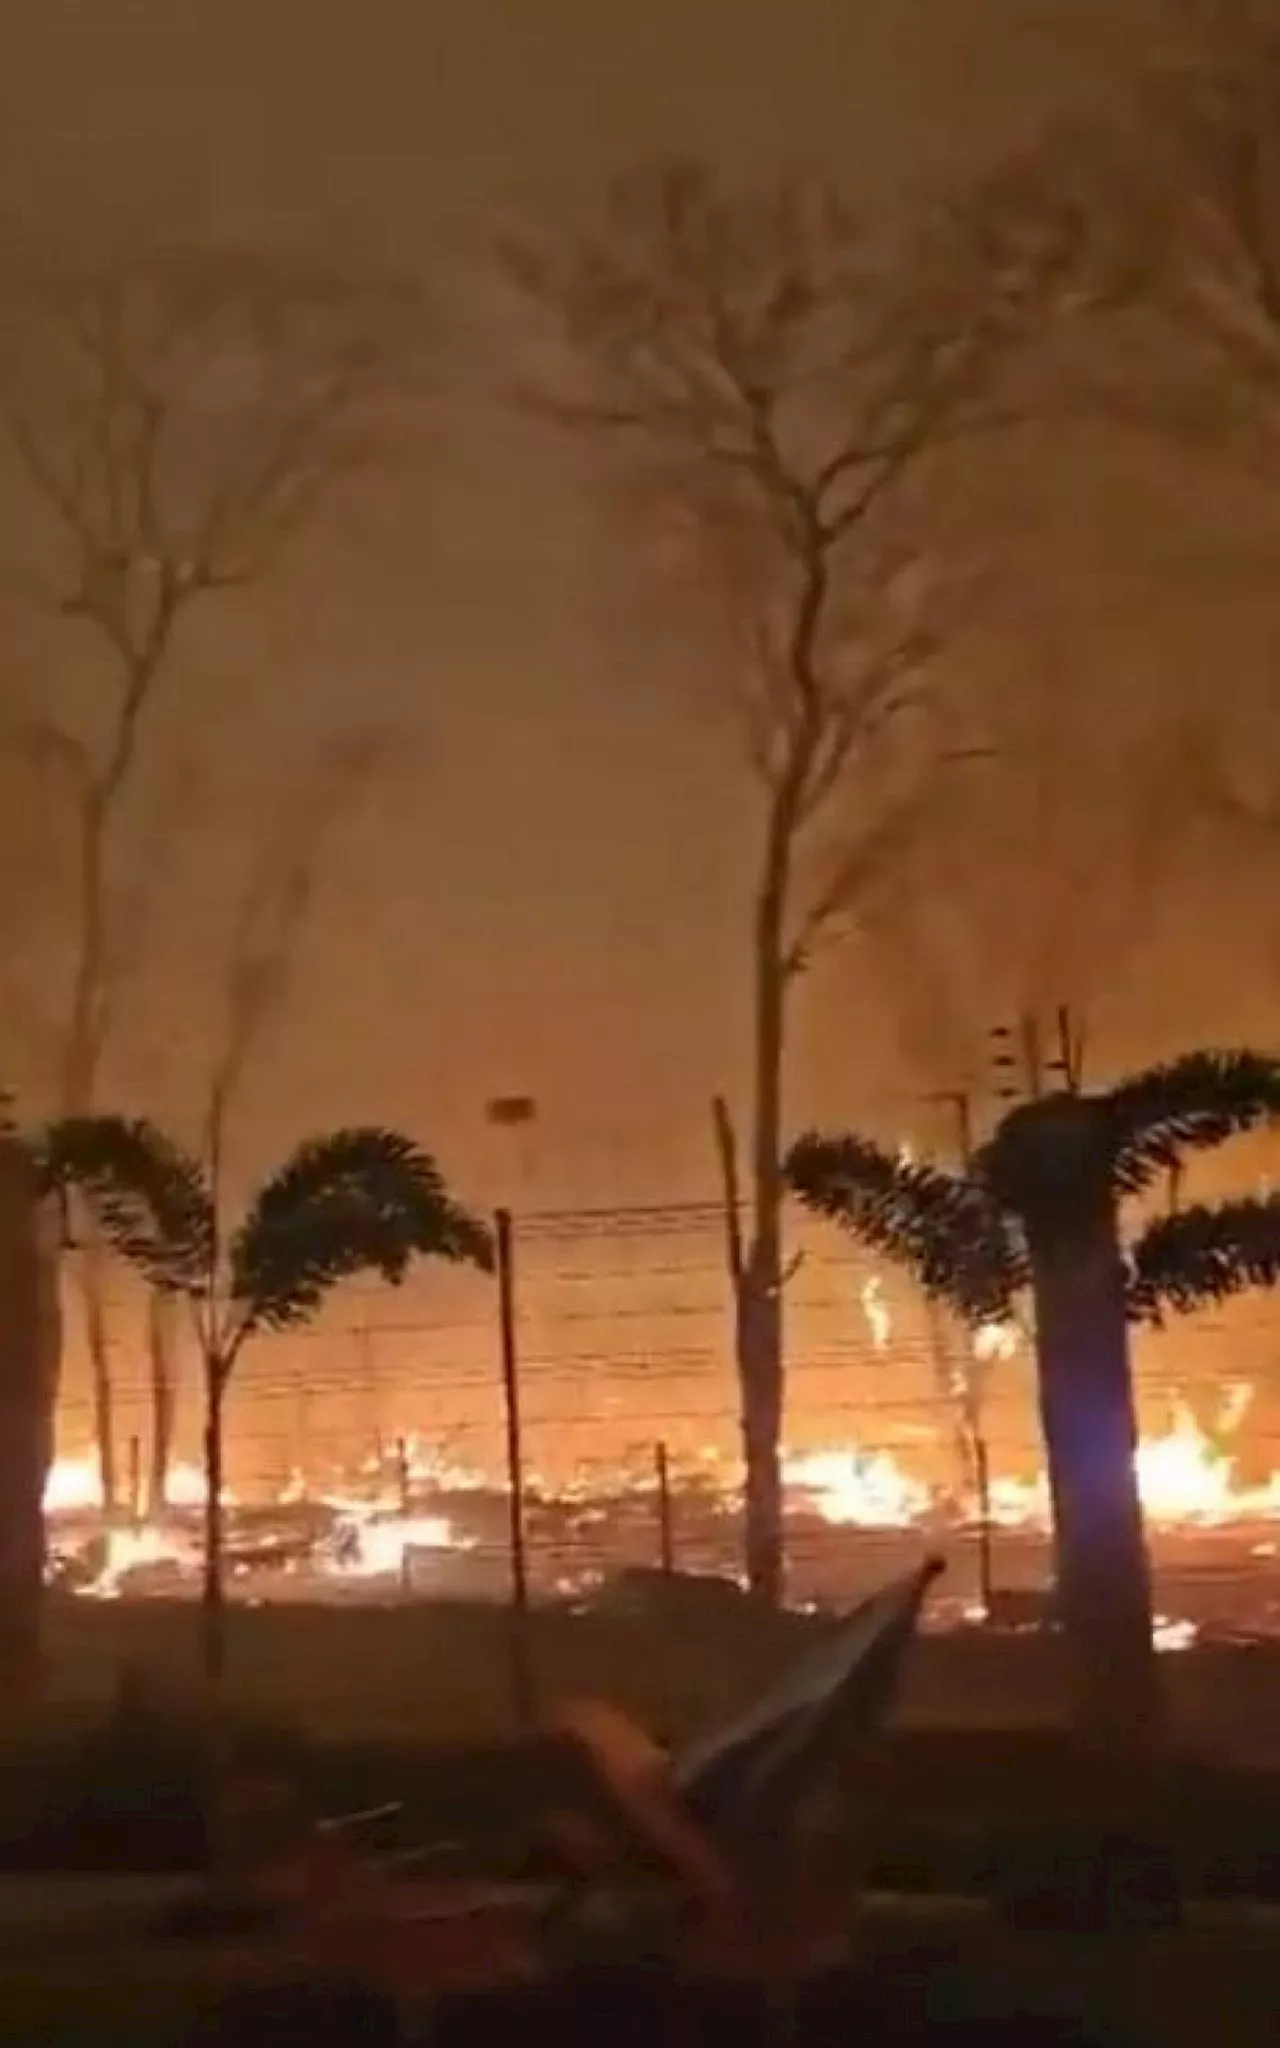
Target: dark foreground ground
x,y
431,1671
935,1972
979,1799
413,1704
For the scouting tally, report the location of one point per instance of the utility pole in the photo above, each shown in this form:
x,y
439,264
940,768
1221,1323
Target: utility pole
x,y
1020,1063
961,1385
666,1520
522,1688
1069,1033
1005,1064
518,1116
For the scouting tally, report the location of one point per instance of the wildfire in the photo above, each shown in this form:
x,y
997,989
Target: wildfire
x,y
370,1538
876,1310
992,1341
859,1489
74,1486
373,1545
1185,1479
132,1550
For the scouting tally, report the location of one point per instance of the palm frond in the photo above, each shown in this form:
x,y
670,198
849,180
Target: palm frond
x,y
1190,1105
360,1200
148,1196
1204,1254
942,1227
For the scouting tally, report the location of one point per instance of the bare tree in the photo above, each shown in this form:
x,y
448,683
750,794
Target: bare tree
x,y
1045,878
270,920
1211,284
783,381
177,418
1191,249
1168,326
1168,200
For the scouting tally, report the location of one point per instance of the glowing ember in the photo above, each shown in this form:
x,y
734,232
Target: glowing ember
x,y
185,1488
1018,1503
859,1489
992,1341
876,1310
132,1550
74,1486
1171,1636
423,1465
1181,1477
376,1546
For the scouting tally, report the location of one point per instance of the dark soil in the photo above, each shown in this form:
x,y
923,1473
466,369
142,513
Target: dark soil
x,y
970,1813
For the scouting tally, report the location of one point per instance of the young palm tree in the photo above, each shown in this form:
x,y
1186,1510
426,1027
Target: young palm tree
x,y
1037,1212
354,1201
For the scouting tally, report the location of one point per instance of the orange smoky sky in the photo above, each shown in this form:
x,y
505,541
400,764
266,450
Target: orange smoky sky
x,y
550,894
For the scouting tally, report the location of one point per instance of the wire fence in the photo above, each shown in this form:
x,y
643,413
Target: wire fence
x,y
630,1442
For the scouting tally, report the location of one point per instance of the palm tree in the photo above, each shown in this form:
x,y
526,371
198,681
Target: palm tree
x,y
1037,1211
30,1347
354,1201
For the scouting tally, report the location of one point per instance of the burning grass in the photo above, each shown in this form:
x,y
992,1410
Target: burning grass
x,y
368,1530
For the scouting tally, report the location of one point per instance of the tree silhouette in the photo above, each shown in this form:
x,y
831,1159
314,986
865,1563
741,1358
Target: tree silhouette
x,y
353,1201
1038,1212
176,416
779,385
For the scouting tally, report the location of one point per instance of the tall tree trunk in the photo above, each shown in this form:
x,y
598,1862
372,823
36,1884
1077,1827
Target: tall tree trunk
x,y
79,1089
759,1326
759,1352
160,1349
30,1343
92,1278
213,1597
1086,1405
1090,1427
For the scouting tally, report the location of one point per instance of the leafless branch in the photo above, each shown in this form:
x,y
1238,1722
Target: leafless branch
x,y
274,908
761,354
177,414
1173,199
787,381
851,879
